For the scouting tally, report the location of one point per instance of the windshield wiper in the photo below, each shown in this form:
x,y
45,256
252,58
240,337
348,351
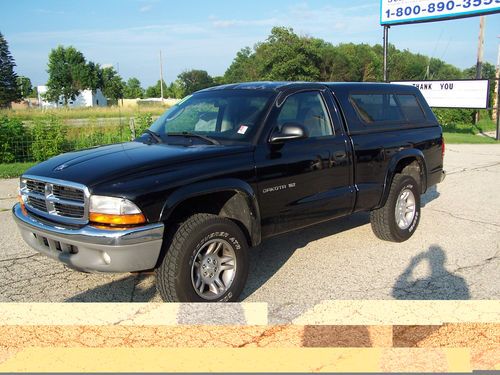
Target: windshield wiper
x,y
154,135
194,135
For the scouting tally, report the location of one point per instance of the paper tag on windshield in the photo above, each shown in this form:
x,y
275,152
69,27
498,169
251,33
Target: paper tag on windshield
x,y
243,129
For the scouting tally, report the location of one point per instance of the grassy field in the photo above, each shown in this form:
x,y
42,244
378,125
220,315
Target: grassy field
x,y
467,138
483,126
85,113
487,125
14,169
470,133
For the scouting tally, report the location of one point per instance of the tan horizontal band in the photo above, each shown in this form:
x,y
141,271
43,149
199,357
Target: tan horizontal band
x,y
381,312
237,360
377,312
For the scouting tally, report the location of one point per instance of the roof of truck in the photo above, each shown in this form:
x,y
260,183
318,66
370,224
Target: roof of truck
x,y
283,85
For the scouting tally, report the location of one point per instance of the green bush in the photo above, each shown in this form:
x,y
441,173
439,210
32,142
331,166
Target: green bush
x,y
459,128
454,116
49,138
14,140
142,122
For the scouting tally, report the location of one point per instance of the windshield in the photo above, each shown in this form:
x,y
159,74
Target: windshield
x,y
221,115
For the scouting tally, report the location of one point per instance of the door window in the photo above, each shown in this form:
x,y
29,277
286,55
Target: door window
x,y
307,109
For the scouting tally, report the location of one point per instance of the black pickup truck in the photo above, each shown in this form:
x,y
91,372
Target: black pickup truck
x,y
228,167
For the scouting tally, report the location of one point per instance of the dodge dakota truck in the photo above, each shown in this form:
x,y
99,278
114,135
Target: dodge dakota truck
x,y
228,167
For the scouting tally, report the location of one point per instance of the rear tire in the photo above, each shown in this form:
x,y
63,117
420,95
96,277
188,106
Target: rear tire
x,y
398,219
206,261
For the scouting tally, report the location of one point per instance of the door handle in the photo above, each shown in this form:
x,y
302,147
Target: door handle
x,y
340,155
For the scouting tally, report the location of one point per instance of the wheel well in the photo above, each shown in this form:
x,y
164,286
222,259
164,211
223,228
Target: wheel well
x,y
229,204
413,168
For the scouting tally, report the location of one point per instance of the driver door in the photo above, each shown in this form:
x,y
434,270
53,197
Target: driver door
x,y
303,181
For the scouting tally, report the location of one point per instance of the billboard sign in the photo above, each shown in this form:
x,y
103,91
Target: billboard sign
x,y
410,11
453,94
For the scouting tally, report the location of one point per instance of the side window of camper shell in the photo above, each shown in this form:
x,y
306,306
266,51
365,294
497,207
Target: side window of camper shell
x,y
383,108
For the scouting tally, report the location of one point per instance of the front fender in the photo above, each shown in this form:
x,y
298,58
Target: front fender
x,y
411,154
242,188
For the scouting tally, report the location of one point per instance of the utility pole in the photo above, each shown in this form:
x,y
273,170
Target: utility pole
x,y
386,52
480,53
497,89
118,71
161,77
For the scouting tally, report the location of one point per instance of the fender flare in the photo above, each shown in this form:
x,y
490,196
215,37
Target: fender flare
x,y
242,188
412,154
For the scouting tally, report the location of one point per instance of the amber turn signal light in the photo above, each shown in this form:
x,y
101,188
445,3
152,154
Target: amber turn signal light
x,y
21,202
133,219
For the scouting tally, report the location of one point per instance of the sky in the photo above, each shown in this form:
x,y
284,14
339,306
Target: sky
x,y
194,34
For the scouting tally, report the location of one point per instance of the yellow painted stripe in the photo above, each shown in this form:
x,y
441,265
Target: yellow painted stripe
x,y
230,360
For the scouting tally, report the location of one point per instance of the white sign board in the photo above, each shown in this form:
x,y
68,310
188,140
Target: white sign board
x,y
409,11
453,94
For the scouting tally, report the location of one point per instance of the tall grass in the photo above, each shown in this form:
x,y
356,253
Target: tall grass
x,y
48,135
31,114
89,136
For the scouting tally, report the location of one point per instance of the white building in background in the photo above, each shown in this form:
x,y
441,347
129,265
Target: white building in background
x,y
86,98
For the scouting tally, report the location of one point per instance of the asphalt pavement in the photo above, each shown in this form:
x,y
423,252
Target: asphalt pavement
x,y
454,255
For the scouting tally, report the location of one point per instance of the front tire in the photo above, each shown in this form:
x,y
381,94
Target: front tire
x,y
205,262
398,219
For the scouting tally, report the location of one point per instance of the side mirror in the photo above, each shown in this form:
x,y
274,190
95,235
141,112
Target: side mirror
x,y
288,132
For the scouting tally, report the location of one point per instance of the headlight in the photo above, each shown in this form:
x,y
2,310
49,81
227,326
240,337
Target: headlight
x,y
114,211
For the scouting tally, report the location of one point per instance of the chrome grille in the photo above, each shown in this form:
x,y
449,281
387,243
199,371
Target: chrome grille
x,y
65,192
36,186
69,210
37,203
57,200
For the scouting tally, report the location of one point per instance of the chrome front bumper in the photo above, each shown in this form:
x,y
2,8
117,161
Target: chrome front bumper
x,y
90,249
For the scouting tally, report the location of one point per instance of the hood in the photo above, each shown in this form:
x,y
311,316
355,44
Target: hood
x,y
97,165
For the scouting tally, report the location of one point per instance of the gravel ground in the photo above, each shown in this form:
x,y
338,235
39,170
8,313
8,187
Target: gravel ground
x,y
455,253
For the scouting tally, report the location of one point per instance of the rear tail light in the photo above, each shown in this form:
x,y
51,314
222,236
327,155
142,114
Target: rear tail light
x,y
443,148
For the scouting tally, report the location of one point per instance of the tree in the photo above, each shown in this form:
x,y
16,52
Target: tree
x,y
69,74
194,80
334,65
155,91
362,63
112,84
91,76
175,90
9,89
487,71
25,88
133,89
285,56
34,92
243,68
